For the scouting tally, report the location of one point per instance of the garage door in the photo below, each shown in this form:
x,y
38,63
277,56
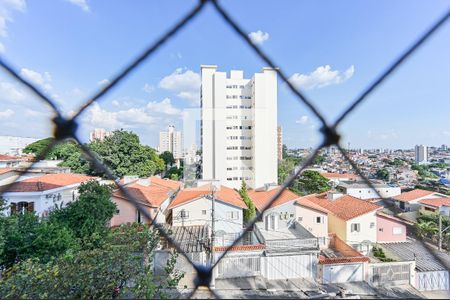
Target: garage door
x,y
433,281
342,273
290,266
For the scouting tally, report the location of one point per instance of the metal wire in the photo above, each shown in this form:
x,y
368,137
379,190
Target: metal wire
x,y
66,128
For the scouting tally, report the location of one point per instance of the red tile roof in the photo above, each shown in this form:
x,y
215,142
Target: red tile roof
x,y
436,202
338,175
153,194
240,248
172,184
223,194
394,218
9,157
5,170
262,198
304,201
47,182
345,207
413,195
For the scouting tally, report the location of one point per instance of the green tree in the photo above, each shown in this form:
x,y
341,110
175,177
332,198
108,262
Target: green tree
x,y
310,182
121,267
88,217
168,158
38,146
426,228
250,212
383,174
124,154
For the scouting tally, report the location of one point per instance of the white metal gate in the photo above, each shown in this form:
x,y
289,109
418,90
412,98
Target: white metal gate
x,y
291,266
239,266
390,273
343,273
432,281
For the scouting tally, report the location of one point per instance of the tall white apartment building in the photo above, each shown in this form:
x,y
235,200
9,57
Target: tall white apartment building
x,y
421,154
99,134
239,127
172,141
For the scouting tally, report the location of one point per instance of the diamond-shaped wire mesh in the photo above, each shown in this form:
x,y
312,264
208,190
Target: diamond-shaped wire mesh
x,y
66,128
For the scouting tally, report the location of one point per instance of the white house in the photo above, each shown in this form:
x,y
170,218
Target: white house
x,y
193,206
410,201
8,161
435,205
361,190
41,194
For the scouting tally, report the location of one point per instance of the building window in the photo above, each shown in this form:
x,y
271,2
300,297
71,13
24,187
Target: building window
x,y
232,215
117,211
380,229
429,208
204,212
139,218
319,220
300,219
355,227
184,214
372,224
397,231
291,215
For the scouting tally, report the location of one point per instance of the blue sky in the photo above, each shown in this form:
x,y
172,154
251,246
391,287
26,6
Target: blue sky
x,y
330,50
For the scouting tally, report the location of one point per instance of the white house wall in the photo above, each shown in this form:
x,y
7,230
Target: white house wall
x,y
196,217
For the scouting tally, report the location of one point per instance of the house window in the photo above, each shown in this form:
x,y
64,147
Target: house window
x,y
300,219
355,227
319,220
372,225
117,211
232,215
184,214
139,218
429,208
204,212
380,229
397,231
291,215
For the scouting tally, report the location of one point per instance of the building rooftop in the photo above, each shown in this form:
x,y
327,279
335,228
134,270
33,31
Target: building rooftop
x,y
152,194
262,198
413,195
47,182
190,238
362,184
436,202
296,231
345,207
223,194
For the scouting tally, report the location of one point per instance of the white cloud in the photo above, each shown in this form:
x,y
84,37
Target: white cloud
x,y
185,84
258,37
321,77
11,92
6,9
165,107
82,4
6,114
302,120
153,113
148,88
37,78
103,82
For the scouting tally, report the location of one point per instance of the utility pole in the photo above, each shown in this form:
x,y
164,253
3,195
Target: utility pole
x,y
440,232
213,234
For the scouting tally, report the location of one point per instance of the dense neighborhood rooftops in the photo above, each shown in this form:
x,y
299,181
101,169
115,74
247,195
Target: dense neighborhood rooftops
x,y
413,195
339,175
262,198
223,194
4,157
47,182
345,207
360,184
152,194
436,202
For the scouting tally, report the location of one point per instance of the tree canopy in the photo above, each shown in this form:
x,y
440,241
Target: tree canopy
x,y
122,152
310,182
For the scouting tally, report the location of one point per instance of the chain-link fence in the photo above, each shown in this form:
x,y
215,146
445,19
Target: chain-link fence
x,y
66,128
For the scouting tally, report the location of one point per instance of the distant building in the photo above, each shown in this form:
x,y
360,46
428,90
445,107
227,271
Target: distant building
x,y
280,143
360,189
421,154
14,145
171,141
239,127
190,156
99,134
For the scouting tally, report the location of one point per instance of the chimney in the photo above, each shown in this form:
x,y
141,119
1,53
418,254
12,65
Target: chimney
x,y
333,195
130,178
